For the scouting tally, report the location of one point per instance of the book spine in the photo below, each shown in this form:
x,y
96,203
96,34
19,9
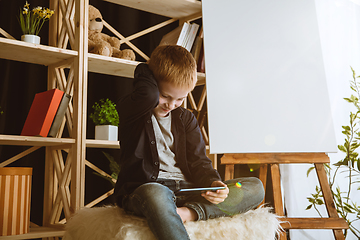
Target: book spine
x,y
59,117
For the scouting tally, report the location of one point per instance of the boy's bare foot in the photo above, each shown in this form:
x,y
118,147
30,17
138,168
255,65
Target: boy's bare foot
x,y
186,214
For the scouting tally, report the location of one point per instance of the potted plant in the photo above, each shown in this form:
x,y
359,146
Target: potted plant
x,y
106,120
31,22
114,168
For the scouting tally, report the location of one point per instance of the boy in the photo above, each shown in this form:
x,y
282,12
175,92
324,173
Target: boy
x,y
162,150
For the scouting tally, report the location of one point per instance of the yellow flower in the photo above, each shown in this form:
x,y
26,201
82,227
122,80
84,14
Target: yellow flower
x,y
33,23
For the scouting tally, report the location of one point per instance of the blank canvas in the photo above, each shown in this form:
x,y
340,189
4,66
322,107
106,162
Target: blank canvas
x,y
265,78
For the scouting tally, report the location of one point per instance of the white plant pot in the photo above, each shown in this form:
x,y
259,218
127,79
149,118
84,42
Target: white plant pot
x,y
30,38
106,132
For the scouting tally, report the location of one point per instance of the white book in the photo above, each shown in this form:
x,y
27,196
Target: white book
x,y
184,33
191,37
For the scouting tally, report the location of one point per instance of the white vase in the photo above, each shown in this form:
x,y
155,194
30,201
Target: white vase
x,y
106,132
30,38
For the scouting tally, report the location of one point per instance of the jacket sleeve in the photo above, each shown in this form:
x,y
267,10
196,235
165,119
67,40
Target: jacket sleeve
x,y
143,98
200,166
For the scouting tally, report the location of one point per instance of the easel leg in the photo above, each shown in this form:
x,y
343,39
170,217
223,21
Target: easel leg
x,y
278,204
329,203
263,177
229,172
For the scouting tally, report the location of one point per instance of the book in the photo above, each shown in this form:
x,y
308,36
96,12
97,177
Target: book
x,y
42,112
191,36
198,44
59,116
201,61
183,34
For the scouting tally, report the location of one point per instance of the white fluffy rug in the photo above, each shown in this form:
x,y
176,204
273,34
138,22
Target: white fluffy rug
x,y
112,223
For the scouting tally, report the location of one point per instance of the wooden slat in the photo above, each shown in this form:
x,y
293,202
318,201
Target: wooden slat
x,y
259,158
99,199
33,53
79,104
37,232
15,140
275,177
263,177
18,156
168,8
4,33
141,53
314,223
148,30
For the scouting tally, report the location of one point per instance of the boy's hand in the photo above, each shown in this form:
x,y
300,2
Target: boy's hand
x,y
218,196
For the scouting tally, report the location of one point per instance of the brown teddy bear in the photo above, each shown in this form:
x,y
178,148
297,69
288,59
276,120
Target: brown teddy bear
x,y
101,43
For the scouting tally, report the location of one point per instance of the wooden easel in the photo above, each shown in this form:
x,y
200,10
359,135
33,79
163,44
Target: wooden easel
x,y
333,222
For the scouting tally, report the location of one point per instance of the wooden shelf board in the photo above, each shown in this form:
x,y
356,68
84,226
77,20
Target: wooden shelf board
x,y
168,8
16,140
92,143
111,66
120,67
33,53
37,232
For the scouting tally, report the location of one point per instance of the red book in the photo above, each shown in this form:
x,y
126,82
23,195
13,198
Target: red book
x,y
42,113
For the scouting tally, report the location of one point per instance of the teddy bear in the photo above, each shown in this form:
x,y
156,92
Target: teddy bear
x,y
101,43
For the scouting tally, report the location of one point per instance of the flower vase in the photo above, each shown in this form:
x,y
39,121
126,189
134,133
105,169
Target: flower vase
x,y
30,38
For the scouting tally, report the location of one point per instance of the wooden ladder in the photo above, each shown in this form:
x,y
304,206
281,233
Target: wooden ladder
x,y
333,222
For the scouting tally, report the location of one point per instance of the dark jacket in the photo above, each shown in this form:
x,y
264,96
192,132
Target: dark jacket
x,y
139,158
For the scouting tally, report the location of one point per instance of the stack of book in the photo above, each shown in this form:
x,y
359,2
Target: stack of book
x,y
46,113
187,36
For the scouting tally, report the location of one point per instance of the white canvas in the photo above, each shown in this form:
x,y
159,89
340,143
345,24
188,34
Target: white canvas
x,y
266,86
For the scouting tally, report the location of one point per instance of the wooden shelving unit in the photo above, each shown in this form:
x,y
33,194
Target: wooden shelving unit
x,y
69,25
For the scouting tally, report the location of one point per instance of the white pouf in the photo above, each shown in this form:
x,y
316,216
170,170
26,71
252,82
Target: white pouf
x,y
112,223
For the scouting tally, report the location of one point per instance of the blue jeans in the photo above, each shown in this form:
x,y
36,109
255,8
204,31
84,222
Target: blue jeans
x,y
157,202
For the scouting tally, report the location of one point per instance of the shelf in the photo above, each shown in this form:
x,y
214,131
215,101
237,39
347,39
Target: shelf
x,y
37,232
16,140
168,8
45,55
92,143
120,67
33,53
111,66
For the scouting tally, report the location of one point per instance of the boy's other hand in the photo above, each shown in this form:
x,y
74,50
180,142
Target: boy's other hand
x,y
218,196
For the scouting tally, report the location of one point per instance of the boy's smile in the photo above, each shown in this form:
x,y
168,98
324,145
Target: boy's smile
x,y
170,98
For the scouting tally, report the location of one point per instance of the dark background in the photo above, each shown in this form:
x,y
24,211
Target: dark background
x,y
19,82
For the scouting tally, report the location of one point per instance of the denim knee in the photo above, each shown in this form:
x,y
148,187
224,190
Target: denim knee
x,y
150,197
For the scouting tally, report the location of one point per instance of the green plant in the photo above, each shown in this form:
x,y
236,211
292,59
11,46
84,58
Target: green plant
x,y
350,166
32,21
105,113
114,168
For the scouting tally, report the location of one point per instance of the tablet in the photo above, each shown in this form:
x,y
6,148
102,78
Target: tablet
x,y
187,191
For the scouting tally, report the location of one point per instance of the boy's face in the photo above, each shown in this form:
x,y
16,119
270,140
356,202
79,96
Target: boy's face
x,y
171,97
